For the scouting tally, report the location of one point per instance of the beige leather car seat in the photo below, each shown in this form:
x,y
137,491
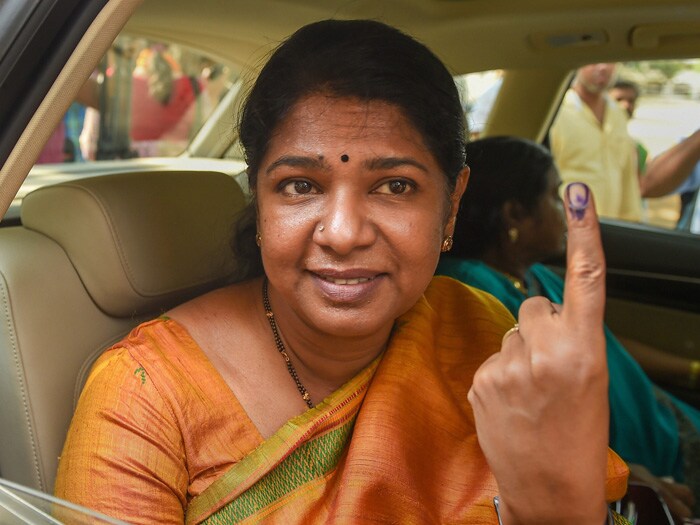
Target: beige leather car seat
x,y
92,258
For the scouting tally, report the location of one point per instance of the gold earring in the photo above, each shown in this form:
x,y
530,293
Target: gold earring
x,y
258,239
513,234
446,244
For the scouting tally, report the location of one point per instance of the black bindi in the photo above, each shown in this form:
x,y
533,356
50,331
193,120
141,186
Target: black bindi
x,y
344,158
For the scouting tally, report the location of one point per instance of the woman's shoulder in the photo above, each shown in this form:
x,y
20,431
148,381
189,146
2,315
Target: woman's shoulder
x,y
222,314
157,350
170,351
462,325
233,297
452,294
459,308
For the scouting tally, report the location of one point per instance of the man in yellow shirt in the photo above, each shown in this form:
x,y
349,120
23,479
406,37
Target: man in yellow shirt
x,y
590,143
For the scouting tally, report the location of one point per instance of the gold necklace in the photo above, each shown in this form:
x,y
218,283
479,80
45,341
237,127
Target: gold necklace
x,y
281,348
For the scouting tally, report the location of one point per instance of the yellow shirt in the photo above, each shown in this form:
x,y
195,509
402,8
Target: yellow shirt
x,y
602,156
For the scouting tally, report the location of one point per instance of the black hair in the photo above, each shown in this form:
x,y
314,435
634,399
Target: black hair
x,y
502,169
362,59
626,84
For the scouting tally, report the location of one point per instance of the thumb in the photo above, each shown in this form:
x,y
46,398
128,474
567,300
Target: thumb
x,y
584,291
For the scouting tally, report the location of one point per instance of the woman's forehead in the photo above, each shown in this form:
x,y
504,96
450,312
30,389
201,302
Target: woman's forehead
x,y
322,122
328,109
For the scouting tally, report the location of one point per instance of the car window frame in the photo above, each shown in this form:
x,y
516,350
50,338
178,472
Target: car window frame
x,y
31,65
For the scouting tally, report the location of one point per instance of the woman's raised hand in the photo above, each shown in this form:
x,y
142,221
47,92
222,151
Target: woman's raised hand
x,y
541,404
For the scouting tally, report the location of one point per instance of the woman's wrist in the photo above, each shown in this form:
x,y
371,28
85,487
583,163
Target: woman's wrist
x,y
612,518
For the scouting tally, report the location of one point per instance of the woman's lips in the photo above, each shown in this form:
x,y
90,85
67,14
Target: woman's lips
x,y
353,280
347,289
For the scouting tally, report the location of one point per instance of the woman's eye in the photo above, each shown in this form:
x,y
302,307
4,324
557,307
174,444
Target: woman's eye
x,y
394,187
298,187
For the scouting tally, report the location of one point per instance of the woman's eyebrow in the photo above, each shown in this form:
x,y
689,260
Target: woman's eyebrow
x,y
384,163
298,161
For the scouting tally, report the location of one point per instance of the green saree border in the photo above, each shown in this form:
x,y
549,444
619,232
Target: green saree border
x,y
334,417
312,460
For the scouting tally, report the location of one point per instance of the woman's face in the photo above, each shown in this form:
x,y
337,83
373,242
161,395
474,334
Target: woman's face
x,y
352,211
543,233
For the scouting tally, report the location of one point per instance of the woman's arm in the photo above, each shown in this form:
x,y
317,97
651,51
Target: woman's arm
x,y
664,367
669,169
123,455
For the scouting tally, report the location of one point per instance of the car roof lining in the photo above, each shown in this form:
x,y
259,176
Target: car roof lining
x,y
446,26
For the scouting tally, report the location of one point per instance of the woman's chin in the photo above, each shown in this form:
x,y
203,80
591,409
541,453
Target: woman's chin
x,y
353,325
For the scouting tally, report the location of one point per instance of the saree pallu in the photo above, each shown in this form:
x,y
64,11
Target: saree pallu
x,y
397,444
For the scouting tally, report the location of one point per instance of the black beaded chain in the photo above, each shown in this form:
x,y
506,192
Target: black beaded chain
x,y
281,348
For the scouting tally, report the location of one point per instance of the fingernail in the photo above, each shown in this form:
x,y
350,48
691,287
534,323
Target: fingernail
x,y
579,196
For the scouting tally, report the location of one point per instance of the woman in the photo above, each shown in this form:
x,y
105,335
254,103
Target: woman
x,y
338,383
510,219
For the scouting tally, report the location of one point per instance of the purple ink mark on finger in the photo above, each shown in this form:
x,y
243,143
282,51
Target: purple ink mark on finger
x,y
579,196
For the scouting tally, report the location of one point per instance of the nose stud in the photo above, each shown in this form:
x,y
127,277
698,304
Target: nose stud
x,y
321,228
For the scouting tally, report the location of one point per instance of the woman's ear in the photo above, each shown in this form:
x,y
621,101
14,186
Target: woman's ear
x,y
513,213
455,199
515,220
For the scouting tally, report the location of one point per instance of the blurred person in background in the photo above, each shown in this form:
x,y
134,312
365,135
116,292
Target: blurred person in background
x,y
590,143
510,220
626,93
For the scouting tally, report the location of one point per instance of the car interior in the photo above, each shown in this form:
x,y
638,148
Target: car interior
x,y
92,259
89,250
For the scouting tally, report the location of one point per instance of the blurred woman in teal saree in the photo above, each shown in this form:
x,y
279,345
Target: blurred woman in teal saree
x,y
512,217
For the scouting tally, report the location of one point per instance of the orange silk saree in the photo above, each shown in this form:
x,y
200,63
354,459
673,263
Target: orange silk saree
x,y
396,444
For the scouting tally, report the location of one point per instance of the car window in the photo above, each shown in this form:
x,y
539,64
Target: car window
x,y
147,98
630,153
667,113
478,93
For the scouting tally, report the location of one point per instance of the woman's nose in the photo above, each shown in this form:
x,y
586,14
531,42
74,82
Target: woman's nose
x,y
345,224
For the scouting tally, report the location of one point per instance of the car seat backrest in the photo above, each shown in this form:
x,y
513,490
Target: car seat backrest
x,y
92,259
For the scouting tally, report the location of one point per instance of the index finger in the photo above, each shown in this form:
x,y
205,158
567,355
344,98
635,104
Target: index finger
x,y
584,290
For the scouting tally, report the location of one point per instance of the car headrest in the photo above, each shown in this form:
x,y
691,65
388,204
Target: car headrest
x,y
142,241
